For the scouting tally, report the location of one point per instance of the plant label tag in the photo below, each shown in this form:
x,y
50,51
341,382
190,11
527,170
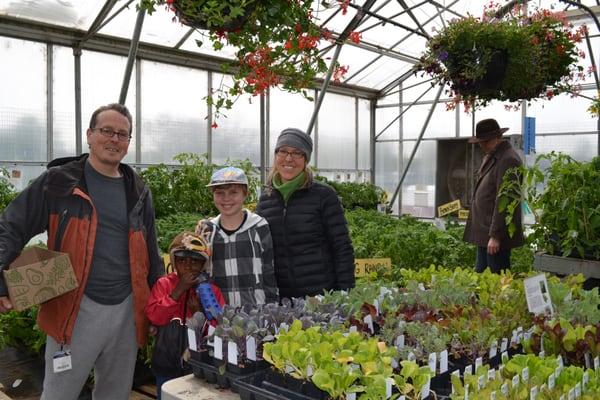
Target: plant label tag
x,y
466,392
551,382
481,382
469,369
353,329
504,389
284,327
559,360
572,394
288,369
578,390
369,321
515,381
491,374
400,341
533,393
193,345
432,362
232,352
585,380
596,362
425,389
494,349
527,335
403,397
504,356
376,305
411,356
218,348
351,396
493,395
309,371
478,363
513,338
443,361
251,348
562,397
394,363
588,360
504,345
211,330
61,361
388,387
542,354
421,286
525,374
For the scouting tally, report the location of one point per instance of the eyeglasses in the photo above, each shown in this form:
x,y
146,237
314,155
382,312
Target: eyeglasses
x,y
296,155
123,136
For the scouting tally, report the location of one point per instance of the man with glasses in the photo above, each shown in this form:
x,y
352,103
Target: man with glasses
x,y
99,211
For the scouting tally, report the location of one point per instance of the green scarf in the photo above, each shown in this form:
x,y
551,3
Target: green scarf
x,y
287,188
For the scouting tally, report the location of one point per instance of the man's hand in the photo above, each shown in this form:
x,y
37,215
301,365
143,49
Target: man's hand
x,y
5,304
493,246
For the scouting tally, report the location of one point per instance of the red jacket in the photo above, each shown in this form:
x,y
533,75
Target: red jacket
x,y
161,308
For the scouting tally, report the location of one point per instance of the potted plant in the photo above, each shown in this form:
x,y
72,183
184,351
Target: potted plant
x,y
521,57
276,40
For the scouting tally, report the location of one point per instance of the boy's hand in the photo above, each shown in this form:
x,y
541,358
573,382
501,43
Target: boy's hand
x,y
187,279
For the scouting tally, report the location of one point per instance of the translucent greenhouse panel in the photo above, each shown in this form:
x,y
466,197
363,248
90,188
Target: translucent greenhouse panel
x,y
441,124
387,125
64,135
237,136
364,137
21,175
22,100
77,14
288,110
387,172
101,78
563,114
418,188
582,147
173,112
419,88
337,133
510,119
380,73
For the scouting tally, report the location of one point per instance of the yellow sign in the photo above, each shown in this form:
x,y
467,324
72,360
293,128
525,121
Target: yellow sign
x,y
364,266
463,214
448,208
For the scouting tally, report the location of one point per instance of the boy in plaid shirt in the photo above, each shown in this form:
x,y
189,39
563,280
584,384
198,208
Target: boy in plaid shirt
x,y
242,256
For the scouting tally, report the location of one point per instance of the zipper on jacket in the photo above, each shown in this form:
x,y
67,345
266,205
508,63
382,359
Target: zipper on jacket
x,y
291,273
60,230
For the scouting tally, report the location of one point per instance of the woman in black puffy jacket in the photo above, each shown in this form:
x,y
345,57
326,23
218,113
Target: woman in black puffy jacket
x,y
313,251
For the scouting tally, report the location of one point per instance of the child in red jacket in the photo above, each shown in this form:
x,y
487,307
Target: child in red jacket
x,y
173,295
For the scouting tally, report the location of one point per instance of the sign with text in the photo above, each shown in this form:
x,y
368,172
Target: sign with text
x,y
537,295
463,214
448,208
364,266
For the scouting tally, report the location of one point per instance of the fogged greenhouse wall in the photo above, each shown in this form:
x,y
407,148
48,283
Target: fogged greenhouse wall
x,y
37,121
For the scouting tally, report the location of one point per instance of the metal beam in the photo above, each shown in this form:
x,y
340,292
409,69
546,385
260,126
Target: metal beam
x,y
97,24
388,88
414,18
402,112
49,102
133,47
375,48
77,79
387,20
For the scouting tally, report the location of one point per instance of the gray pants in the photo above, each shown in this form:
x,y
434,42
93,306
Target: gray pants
x,y
104,340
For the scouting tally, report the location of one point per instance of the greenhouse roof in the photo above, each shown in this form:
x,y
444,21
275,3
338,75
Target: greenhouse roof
x,y
394,32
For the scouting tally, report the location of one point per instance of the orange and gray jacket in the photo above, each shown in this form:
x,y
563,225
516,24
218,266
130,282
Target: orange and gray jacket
x,y
58,202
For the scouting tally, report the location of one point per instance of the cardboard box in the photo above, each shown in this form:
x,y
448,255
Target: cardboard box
x,y
38,275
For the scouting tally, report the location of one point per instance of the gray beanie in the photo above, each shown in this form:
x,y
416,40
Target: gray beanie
x,y
294,137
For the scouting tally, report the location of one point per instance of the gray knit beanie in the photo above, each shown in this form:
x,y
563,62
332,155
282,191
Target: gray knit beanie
x,y
294,137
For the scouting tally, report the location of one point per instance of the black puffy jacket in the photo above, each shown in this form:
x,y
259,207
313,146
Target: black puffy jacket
x,y
313,251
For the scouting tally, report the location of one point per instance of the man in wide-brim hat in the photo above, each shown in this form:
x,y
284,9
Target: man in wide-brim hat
x,y
486,225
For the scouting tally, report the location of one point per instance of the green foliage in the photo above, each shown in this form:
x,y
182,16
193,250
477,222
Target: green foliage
x,y
171,225
18,329
183,189
357,195
564,197
539,50
7,190
408,242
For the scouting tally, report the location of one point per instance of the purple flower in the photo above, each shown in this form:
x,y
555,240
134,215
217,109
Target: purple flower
x,y
443,55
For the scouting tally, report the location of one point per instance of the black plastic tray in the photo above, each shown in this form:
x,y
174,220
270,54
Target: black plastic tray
x,y
260,386
203,367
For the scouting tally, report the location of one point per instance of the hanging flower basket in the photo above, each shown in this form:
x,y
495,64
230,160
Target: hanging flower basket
x,y
511,59
276,43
